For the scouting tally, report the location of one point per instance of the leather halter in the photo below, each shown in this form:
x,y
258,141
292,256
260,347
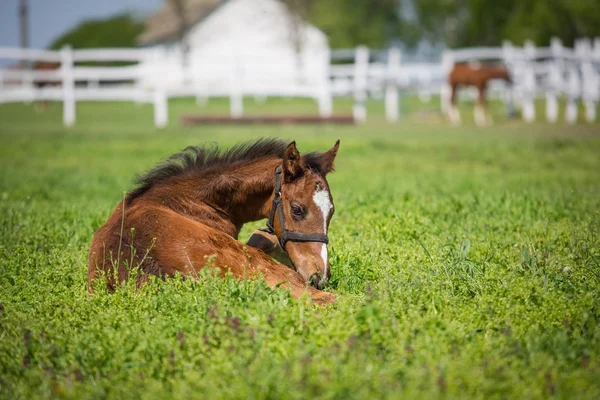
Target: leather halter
x,y
287,236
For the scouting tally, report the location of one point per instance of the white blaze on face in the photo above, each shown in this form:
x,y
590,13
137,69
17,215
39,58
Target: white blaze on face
x,y
322,200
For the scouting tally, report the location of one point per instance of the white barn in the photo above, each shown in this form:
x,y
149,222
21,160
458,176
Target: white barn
x,y
254,47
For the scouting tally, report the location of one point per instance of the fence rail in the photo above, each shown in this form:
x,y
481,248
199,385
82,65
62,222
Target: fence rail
x,y
29,54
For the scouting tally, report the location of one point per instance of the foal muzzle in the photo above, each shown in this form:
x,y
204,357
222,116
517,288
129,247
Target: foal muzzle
x,y
318,281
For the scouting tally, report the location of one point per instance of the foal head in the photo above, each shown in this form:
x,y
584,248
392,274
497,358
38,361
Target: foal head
x,y
307,207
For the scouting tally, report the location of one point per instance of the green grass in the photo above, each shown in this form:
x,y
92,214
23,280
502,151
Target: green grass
x,y
466,263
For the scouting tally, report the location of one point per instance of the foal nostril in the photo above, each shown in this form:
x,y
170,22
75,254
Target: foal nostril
x,y
316,281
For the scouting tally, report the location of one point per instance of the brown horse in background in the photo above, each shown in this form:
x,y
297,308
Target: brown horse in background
x,y
478,75
188,211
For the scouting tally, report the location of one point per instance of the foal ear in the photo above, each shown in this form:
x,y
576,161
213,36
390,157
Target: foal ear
x,y
327,158
291,162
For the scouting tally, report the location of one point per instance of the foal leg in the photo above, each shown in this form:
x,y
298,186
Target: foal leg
x,y
246,262
193,245
453,112
481,116
269,244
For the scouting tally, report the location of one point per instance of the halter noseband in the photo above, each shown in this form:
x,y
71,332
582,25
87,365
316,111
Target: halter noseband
x,y
287,236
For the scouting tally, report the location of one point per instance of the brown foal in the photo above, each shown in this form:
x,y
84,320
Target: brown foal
x,y
188,211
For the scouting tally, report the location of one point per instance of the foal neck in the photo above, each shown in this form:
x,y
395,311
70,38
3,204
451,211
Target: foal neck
x,y
240,194
248,190
223,198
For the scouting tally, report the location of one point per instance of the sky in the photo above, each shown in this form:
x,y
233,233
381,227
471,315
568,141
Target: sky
x,y
50,18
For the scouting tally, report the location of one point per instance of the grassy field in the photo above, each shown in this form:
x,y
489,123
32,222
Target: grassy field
x,y
466,263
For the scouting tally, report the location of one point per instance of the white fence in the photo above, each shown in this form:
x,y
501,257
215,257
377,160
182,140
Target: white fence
x,y
536,72
153,78
547,72
381,74
69,83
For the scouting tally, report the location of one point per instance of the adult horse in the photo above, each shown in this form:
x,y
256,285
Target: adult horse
x,y
187,212
477,75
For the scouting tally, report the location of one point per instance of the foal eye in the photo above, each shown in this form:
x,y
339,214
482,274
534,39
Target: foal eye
x,y
297,210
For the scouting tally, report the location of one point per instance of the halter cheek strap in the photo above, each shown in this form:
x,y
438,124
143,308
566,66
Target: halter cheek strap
x,y
287,236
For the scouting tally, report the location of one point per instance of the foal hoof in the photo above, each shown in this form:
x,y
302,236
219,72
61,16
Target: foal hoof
x,y
323,298
269,244
263,241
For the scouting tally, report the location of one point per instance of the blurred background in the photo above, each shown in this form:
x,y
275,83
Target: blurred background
x,y
340,56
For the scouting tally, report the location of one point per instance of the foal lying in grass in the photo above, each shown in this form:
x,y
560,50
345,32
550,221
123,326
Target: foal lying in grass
x,y
190,209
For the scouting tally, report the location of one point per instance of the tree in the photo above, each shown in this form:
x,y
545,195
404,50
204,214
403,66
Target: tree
x,y
348,23
441,20
118,31
488,22
540,20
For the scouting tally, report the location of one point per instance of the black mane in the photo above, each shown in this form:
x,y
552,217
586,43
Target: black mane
x,y
203,158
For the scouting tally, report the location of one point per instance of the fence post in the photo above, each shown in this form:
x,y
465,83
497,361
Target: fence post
x,y
529,82
529,94
361,71
1,85
236,94
590,80
449,110
29,83
138,82
324,91
573,90
160,99
591,90
446,90
195,62
517,64
554,80
508,58
161,112
591,95
68,85
596,50
391,88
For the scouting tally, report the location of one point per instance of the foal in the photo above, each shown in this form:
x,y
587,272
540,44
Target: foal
x,y
188,211
476,75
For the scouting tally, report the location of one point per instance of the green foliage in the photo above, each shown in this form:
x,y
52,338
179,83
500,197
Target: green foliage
x,y
457,23
487,22
439,20
540,20
118,31
466,263
349,23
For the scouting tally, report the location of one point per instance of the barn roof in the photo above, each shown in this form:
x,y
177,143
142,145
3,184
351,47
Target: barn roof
x,y
163,24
